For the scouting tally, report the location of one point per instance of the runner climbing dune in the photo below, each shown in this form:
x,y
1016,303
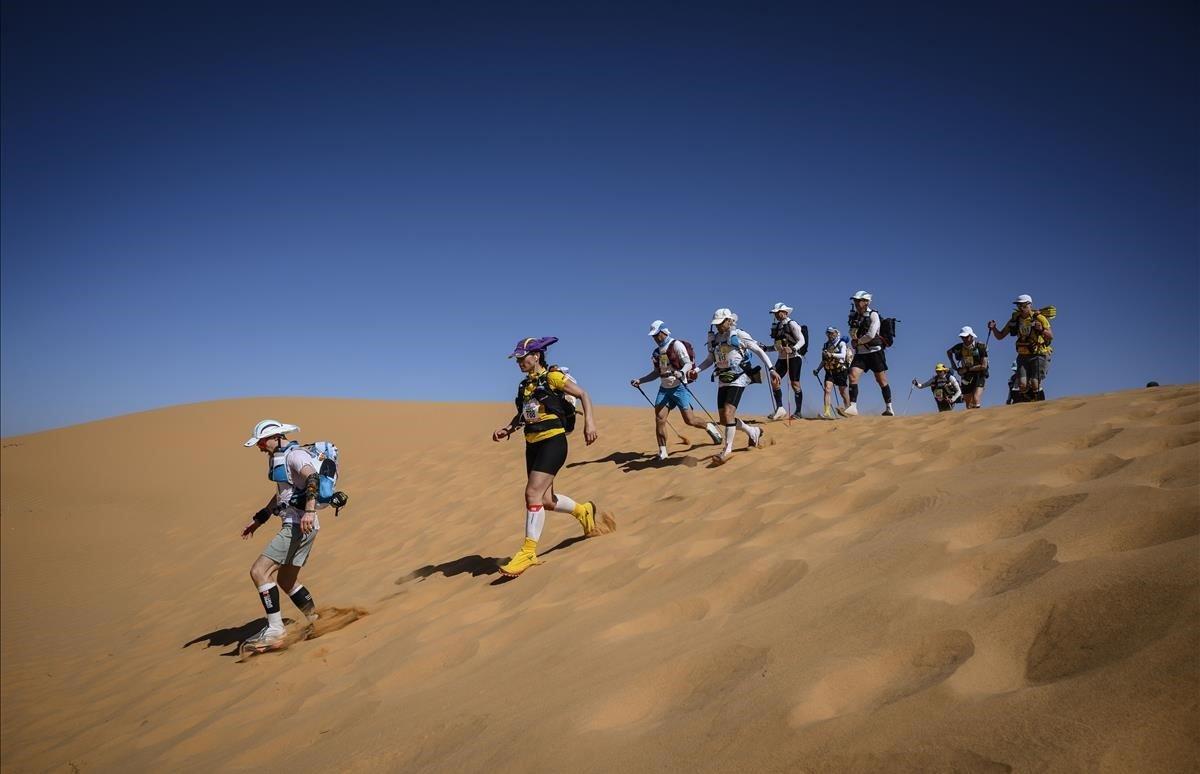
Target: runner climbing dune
x,y
896,603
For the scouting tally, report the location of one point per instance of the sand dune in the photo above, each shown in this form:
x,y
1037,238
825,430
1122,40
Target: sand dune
x,y
1014,589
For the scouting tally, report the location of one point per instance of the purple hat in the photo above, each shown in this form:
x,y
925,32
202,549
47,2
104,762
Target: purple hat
x,y
525,346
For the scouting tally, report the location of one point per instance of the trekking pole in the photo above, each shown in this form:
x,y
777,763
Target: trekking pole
x,y
698,403
906,400
682,437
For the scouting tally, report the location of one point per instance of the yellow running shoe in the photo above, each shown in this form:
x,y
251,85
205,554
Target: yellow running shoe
x,y
522,560
586,514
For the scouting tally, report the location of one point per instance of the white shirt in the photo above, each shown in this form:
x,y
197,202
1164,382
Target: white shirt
x,y
726,355
295,461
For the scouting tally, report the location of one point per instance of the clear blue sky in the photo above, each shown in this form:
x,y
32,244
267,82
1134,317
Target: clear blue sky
x,y
202,202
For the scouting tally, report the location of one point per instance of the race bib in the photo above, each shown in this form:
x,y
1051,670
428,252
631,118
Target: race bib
x,y
664,363
530,411
723,356
938,395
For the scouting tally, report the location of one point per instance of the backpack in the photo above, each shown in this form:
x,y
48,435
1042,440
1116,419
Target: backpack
x,y
324,456
776,330
887,330
676,363
554,402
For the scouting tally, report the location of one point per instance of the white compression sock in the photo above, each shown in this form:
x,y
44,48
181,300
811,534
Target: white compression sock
x,y
563,504
745,428
730,432
535,519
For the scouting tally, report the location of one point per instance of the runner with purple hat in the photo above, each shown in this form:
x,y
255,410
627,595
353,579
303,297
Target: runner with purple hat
x,y
547,417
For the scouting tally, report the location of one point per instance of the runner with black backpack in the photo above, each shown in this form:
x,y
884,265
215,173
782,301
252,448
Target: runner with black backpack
x,y
790,344
870,334
670,363
547,417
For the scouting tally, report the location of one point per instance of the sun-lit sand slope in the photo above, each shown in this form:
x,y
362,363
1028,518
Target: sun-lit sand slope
x,y
1012,589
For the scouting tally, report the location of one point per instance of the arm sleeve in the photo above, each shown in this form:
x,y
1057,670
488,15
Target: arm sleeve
x,y
873,330
708,360
922,385
649,377
799,333
683,356
753,346
957,389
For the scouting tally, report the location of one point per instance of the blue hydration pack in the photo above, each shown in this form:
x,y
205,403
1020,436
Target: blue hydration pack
x,y
324,456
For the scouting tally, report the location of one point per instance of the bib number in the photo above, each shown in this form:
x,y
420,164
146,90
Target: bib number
x,y
723,356
530,411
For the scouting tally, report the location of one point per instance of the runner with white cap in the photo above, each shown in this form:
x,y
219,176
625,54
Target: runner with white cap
x,y
788,343
970,361
834,363
295,502
670,364
865,325
729,348
1032,330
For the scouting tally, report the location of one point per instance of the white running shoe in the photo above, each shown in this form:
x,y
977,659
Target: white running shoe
x,y
757,437
849,411
887,411
778,414
662,455
714,433
267,639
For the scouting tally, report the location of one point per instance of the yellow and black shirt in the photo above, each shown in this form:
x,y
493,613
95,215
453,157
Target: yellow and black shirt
x,y
1029,341
540,405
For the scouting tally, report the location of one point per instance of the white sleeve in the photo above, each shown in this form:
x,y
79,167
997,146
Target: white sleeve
x,y
957,389
683,356
873,330
297,461
753,346
799,332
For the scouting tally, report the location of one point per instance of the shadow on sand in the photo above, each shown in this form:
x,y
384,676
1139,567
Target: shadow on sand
x,y
232,636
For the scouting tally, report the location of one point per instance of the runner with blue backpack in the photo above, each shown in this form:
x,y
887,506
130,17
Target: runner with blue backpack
x,y
547,417
305,478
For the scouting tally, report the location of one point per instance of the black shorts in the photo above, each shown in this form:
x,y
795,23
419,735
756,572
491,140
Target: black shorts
x,y
729,396
837,378
546,456
974,382
875,362
790,364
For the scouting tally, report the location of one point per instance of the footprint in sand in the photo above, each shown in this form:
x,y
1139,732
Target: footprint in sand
x,y
697,679
1029,516
988,573
1094,438
1088,470
673,613
1097,626
873,681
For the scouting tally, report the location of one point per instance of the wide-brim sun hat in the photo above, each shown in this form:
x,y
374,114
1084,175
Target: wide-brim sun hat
x,y
967,330
860,295
941,367
1023,299
781,307
657,327
525,346
721,315
268,428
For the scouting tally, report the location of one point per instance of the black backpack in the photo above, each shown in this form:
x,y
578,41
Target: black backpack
x,y
887,330
804,350
554,402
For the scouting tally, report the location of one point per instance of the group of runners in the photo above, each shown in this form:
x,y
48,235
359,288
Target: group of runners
x,y
548,400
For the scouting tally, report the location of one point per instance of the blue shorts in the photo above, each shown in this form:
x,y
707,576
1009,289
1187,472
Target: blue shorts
x,y
674,397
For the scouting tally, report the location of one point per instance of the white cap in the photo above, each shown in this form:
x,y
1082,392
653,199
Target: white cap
x,y
781,307
657,327
831,329
723,314
1023,299
268,428
860,295
966,331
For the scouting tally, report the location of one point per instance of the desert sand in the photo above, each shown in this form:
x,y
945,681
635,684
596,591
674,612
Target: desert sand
x,y
1014,589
